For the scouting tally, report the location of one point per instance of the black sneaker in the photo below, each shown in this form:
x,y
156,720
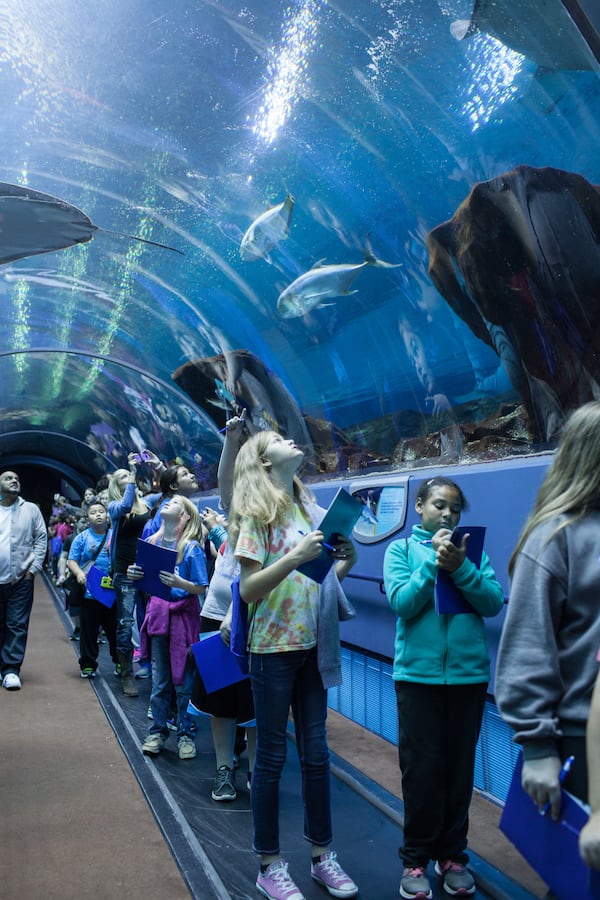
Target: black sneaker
x,y
224,785
88,672
76,634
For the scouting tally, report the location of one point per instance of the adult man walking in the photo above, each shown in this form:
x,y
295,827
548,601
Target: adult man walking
x,y
23,545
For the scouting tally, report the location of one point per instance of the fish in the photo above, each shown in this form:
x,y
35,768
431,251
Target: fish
x,y
369,516
552,39
225,399
32,222
322,283
267,230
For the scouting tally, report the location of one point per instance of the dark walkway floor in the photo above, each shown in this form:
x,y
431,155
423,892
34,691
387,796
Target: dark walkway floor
x,y
75,823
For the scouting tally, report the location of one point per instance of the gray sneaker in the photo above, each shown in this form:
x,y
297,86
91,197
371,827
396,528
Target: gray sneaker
x,y
415,884
186,748
457,880
224,785
153,744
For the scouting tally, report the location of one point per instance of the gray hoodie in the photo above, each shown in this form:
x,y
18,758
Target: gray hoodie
x,y
28,540
547,659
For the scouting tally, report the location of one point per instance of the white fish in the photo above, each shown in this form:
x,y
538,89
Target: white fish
x,y
266,231
323,283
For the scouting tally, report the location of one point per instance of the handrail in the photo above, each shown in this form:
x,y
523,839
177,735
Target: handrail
x,y
375,579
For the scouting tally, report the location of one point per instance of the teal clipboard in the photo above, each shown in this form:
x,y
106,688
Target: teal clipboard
x,y
341,517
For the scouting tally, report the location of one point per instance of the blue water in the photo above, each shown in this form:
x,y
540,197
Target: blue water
x,y
181,124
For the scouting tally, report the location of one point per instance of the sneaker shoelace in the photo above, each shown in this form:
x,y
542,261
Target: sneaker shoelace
x,y
223,777
331,868
281,877
452,867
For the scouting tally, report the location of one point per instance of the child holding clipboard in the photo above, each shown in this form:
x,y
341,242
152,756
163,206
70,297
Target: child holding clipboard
x,y
441,671
294,651
171,625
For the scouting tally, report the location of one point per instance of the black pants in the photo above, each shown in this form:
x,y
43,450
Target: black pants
x,y
438,729
94,614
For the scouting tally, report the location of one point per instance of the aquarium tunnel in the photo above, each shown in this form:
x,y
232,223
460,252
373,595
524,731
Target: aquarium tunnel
x,y
373,225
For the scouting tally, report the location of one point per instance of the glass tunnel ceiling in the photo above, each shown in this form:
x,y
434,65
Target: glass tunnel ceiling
x,y
371,122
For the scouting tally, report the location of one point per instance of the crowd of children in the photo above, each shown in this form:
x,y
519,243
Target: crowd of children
x,y
441,661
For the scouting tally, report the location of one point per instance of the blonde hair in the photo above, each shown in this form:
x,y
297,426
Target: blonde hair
x,y
255,494
187,530
572,484
115,491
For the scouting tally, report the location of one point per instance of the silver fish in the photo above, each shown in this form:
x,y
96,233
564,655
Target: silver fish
x,y
266,231
322,283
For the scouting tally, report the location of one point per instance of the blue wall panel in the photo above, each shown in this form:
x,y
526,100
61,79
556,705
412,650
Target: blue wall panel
x,y
367,697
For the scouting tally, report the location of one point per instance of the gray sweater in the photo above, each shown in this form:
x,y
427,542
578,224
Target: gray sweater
x,y
547,656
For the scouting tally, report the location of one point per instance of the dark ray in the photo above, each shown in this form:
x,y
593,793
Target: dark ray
x,y
32,223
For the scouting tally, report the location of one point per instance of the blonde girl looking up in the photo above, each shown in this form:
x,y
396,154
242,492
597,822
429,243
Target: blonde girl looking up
x,y
293,644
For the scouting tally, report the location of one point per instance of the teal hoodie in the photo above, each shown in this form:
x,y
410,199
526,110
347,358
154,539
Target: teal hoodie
x,y
432,648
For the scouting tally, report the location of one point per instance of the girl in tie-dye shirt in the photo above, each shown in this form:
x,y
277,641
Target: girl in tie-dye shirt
x,y
270,528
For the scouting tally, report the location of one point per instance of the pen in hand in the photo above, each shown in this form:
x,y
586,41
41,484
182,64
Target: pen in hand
x,y
566,767
323,543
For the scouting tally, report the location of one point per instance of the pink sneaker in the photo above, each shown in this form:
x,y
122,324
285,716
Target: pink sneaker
x,y
276,883
457,880
330,874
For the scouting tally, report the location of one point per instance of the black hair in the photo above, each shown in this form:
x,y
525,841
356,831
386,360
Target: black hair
x,y
102,483
167,479
441,481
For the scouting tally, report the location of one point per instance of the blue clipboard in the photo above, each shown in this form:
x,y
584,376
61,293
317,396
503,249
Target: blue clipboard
x,y
217,665
341,517
93,583
449,600
153,559
551,848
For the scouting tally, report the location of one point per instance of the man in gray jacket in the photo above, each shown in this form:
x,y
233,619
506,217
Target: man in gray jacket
x,y
23,546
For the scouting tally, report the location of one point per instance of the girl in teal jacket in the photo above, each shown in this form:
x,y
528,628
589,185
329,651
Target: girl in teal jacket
x,y
441,670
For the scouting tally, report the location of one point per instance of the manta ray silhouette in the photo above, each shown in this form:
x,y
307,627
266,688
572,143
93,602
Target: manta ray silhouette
x,y
32,223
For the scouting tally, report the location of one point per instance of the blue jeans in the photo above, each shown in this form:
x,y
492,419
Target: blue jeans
x,y
281,680
126,594
16,601
162,684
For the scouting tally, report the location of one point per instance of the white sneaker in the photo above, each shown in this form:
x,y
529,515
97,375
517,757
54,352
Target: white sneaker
x,y
11,682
